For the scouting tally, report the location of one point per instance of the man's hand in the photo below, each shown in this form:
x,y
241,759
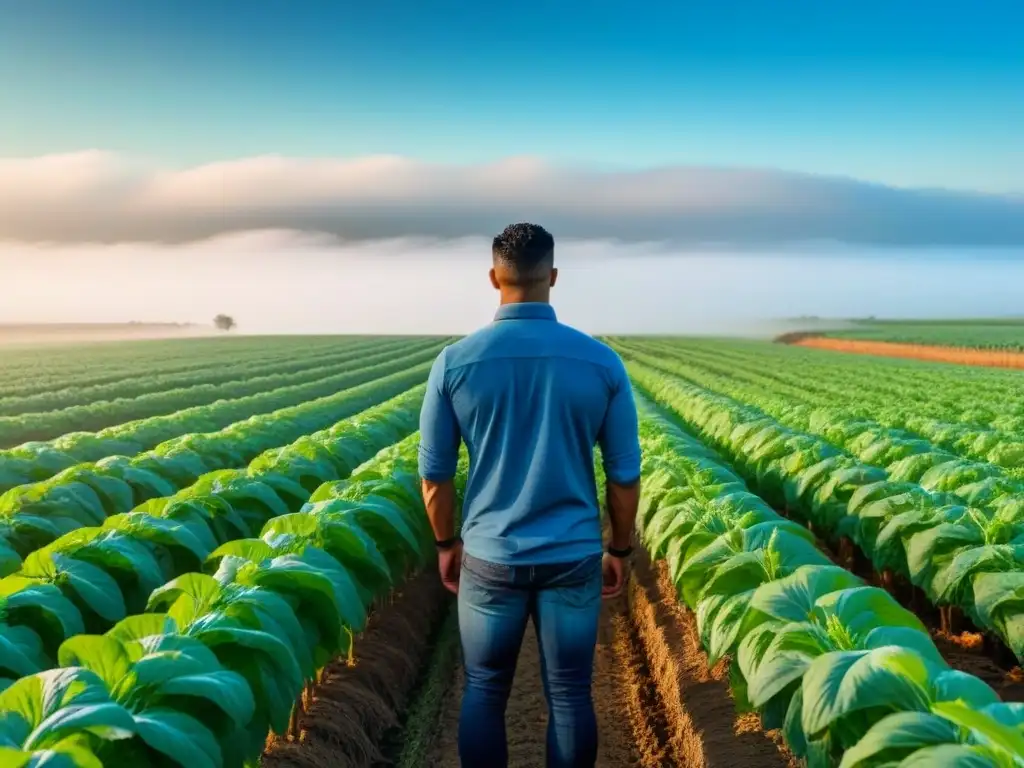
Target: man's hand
x,y
449,565
615,570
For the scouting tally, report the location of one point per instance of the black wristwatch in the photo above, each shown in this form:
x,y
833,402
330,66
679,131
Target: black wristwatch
x,y
446,544
619,552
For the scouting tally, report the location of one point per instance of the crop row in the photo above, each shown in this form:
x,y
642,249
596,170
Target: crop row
x,y
958,555
40,369
43,426
38,461
113,562
904,455
1000,443
978,398
222,653
849,676
972,396
140,381
33,515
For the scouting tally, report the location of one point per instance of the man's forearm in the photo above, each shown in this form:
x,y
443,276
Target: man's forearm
x,y
622,501
439,499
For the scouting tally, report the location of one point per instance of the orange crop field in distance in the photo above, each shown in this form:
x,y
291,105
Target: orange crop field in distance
x,y
936,354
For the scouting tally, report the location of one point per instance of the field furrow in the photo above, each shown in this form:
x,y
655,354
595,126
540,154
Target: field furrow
x,y
829,571
249,634
24,372
107,414
818,653
34,462
142,382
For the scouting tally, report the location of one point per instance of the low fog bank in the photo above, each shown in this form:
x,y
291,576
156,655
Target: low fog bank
x,y
28,334
286,282
112,197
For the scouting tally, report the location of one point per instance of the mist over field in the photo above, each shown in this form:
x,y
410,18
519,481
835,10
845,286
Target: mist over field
x,y
297,282
396,245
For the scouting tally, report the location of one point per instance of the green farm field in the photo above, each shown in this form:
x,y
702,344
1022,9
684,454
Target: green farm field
x,y
213,552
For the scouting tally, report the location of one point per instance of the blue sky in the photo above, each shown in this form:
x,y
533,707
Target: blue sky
x,y
898,92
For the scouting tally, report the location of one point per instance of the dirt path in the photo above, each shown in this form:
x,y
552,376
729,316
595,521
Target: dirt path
x,y
526,719
935,354
658,704
351,709
704,728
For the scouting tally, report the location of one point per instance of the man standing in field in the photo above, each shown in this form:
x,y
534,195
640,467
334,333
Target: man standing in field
x,y
531,398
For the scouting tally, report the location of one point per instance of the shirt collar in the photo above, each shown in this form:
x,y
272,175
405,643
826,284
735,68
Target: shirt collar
x,y
525,310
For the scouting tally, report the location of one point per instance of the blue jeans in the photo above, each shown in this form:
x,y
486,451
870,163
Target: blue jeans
x,y
495,603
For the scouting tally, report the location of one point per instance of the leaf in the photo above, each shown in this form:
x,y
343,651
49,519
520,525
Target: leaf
x,y
894,737
793,597
252,550
42,607
10,560
784,660
180,737
224,688
72,752
186,596
15,658
106,719
97,590
140,626
100,654
1008,739
217,633
952,582
726,626
838,684
947,756
905,637
861,609
319,580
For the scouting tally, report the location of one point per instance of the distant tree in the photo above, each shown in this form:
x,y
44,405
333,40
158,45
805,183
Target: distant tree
x,y
224,322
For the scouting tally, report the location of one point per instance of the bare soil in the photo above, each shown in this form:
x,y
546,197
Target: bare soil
x,y
352,707
526,718
658,704
705,728
937,354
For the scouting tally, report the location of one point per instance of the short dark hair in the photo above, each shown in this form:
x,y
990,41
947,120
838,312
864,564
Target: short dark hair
x,y
525,250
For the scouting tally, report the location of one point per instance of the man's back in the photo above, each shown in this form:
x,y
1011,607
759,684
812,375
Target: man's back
x,y
530,397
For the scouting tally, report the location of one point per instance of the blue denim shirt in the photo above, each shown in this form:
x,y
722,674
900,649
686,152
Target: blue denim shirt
x,y
531,398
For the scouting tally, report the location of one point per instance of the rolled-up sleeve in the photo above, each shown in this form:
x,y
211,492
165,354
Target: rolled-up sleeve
x,y
619,438
439,431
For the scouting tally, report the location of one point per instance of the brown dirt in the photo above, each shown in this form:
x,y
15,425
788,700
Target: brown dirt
x,y
353,706
937,354
705,727
964,652
657,703
526,718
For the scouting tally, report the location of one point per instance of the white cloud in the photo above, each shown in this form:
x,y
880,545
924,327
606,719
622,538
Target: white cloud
x,y
100,196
